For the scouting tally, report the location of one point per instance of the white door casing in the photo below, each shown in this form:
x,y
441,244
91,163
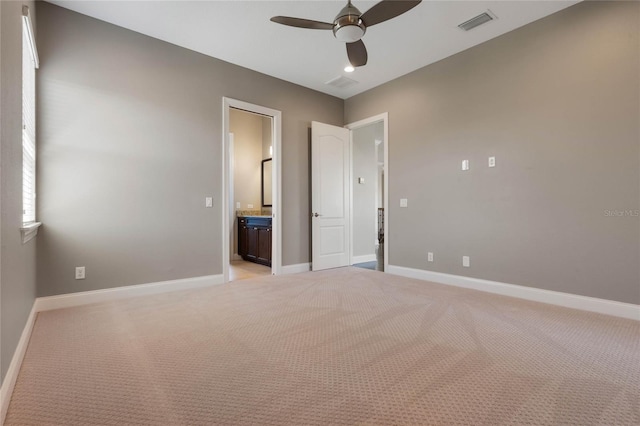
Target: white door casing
x,y
276,184
384,118
330,199
233,251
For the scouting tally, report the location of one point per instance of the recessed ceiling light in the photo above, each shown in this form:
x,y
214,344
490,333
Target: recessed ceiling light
x,y
349,68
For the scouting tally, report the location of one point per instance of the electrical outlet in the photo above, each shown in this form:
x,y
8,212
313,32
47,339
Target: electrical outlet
x,y
403,202
249,206
465,165
80,273
492,161
208,202
429,257
465,261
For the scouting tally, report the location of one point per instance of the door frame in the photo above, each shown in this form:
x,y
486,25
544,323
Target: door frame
x,y
384,118
231,197
276,184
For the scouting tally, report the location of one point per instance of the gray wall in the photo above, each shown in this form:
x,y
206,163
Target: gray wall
x,y
557,102
130,145
17,260
365,210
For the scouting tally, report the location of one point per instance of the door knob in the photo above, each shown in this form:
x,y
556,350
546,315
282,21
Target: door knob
x,y
315,214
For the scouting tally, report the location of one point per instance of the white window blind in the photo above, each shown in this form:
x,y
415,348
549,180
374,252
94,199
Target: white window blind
x,y
29,64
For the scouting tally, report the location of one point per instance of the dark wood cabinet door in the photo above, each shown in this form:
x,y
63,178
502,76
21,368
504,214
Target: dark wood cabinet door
x,y
242,240
264,246
252,243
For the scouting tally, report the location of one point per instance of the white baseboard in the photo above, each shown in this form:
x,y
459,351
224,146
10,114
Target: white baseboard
x,y
115,293
575,301
10,378
296,269
363,258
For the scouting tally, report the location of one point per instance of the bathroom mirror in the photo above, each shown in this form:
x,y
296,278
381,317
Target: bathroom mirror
x,y
266,182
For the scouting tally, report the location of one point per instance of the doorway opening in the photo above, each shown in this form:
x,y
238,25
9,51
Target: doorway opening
x,y
369,192
251,191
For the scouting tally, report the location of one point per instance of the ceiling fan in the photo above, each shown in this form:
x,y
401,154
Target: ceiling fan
x,y
350,25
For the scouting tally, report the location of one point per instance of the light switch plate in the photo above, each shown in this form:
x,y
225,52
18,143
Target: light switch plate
x,y
238,206
360,180
208,202
466,262
403,202
492,161
429,257
465,165
80,273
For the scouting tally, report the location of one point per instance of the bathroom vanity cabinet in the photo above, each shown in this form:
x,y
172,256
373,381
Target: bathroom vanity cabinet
x,y
254,239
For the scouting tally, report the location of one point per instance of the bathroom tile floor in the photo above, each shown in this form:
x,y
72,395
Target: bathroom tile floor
x,y
241,270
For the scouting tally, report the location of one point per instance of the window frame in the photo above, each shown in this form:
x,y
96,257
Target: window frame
x,y
30,63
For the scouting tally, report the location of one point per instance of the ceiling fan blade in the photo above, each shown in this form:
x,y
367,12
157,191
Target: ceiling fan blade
x,y
302,23
357,53
386,10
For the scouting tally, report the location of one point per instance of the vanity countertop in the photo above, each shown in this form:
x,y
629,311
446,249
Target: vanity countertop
x,y
255,215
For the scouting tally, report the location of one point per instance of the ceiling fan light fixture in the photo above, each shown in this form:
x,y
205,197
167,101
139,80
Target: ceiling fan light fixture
x,y
349,33
348,27
349,68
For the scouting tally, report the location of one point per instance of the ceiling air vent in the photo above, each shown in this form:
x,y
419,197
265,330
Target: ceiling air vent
x,y
341,82
483,18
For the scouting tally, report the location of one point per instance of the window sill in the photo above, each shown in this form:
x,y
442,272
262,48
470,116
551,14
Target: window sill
x,y
29,231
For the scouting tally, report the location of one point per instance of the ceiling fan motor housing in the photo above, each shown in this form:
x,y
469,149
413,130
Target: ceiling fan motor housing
x,y
348,27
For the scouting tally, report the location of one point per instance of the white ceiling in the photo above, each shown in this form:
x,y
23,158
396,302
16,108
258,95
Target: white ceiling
x,y
240,32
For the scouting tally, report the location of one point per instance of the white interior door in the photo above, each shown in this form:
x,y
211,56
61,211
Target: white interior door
x,y
330,196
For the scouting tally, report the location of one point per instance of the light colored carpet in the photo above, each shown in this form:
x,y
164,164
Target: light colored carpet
x,y
344,346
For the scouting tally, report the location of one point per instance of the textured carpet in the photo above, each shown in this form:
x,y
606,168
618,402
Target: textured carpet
x,y
344,346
